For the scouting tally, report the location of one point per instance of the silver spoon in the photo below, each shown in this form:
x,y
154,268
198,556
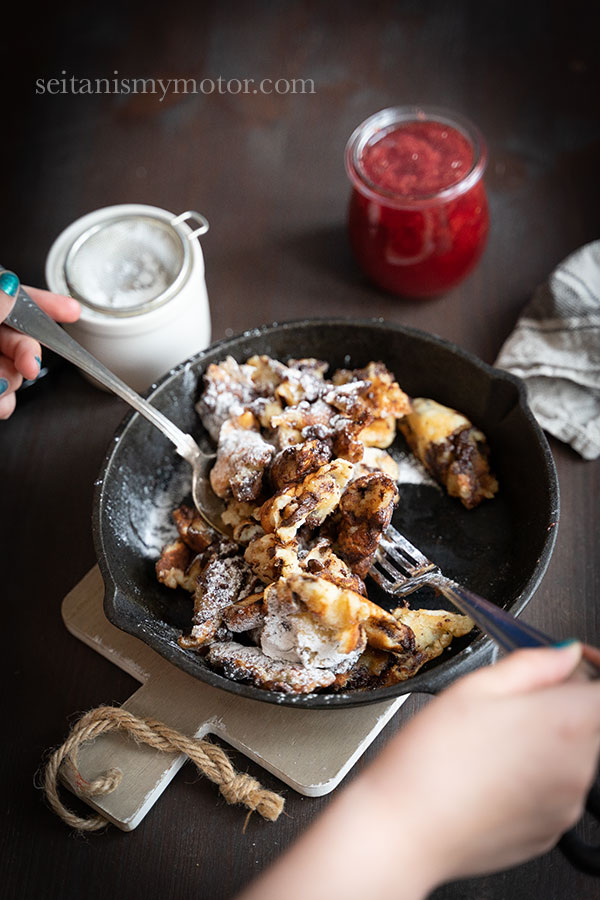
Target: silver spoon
x,y
27,317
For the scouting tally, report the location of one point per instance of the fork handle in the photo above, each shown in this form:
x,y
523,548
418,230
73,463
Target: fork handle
x,y
505,629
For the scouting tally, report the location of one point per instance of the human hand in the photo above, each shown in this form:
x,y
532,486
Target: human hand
x,y
489,774
20,355
497,768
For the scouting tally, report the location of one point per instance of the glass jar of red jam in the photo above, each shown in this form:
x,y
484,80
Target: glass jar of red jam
x,y
418,215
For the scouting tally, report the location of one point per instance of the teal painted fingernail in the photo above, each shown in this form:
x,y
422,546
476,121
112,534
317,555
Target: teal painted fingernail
x,y
38,361
9,283
565,643
3,385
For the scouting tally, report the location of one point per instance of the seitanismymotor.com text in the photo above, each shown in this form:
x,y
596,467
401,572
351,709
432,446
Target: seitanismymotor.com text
x,y
73,84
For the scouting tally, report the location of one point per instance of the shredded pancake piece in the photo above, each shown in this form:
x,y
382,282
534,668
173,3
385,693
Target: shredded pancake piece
x,y
322,561
223,582
172,567
241,517
242,457
312,621
433,631
270,558
304,421
242,663
376,460
452,450
293,463
372,388
246,614
228,389
365,511
192,528
310,501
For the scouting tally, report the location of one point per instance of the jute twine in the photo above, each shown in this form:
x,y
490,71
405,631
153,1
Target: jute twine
x,y
211,760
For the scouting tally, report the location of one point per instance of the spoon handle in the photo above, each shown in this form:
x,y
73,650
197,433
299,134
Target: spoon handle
x,y
27,317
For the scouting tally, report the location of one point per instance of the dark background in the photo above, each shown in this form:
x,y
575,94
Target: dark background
x,y
267,171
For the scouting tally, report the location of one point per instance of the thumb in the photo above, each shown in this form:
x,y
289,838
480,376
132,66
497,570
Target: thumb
x,y
9,286
532,669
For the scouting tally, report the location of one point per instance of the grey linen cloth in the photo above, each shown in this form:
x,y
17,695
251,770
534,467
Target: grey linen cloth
x,y
555,349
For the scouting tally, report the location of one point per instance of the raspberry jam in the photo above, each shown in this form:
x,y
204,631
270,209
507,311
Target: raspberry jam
x,y
418,216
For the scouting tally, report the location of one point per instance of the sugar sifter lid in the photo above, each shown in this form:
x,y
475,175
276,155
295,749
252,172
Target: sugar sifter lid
x,y
131,263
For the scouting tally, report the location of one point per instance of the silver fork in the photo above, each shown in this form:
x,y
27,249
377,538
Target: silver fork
x,y
400,568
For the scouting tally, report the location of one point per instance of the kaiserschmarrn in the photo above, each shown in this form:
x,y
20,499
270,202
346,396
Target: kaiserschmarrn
x,y
309,489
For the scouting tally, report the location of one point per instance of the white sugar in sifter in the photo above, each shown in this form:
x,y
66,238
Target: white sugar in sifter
x,y
138,272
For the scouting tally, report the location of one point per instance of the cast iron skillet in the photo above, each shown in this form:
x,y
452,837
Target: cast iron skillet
x,y
500,550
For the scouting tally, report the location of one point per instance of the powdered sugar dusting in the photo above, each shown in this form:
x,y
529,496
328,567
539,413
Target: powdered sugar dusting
x,y
410,470
225,581
153,523
126,263
242,663
298,639
242,457
228,389
311,386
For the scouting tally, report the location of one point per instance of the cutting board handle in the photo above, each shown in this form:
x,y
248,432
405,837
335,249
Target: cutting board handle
x,y
145,772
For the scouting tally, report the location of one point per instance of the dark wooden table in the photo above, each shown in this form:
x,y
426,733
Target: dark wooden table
x,y
267,171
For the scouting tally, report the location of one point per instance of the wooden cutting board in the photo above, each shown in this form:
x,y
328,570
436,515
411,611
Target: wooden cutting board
x,y
310,750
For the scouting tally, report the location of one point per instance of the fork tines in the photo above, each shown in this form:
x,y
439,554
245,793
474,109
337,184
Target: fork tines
x,y
405,555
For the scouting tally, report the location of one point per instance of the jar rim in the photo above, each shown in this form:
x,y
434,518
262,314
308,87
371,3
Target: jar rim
x,y
385,121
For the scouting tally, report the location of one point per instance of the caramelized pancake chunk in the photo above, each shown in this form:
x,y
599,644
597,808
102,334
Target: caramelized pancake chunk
x,y
242,663
193,529
365,512
312,621
310,501
223,582
228,389
173,563
270,558
242,457
433,631
246,614
382,397
452,450
322,561
293,463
